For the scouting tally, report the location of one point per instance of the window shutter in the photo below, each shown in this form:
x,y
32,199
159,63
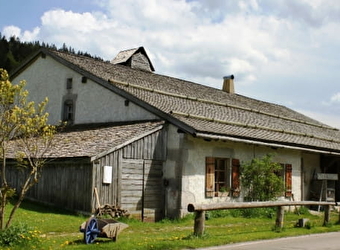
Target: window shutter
x,y
209,176
288,180
235,188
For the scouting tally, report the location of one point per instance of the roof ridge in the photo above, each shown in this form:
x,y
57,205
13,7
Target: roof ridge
x,y
253,126
221,104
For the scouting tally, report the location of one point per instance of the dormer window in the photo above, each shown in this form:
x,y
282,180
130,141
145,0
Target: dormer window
x,y
135,58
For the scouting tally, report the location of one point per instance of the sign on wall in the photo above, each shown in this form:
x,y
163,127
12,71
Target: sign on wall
x,y
326,176
107,175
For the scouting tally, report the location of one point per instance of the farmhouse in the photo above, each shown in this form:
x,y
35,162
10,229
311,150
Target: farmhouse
x,y
152,144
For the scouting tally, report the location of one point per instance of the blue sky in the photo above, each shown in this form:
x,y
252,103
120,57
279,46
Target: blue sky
x,y
27,14
282,51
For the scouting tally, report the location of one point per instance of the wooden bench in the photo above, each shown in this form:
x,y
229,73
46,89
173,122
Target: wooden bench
x,y
200,209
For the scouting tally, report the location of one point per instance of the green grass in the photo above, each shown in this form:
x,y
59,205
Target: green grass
x,y
60,230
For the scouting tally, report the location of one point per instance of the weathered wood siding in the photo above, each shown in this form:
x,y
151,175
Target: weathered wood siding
x,y
142,193
65,183
140,61
137,177
152,147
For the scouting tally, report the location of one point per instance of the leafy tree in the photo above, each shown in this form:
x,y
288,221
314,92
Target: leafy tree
x,y
261,179
24,135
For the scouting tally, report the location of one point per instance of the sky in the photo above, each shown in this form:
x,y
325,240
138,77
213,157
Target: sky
x,y
280,51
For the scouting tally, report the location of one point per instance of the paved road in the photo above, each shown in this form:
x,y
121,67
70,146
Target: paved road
x,y
326,241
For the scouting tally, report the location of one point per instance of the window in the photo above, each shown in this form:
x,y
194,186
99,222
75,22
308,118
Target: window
x,y
68,108
286,174
68,111
69,83
288,180
222,174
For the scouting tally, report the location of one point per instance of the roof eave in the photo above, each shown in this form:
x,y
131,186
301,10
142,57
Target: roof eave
x,y
268,144
106,152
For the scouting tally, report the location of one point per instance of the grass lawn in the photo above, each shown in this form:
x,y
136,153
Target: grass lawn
x,y
60,230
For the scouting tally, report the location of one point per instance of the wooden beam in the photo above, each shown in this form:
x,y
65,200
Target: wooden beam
x,y
280,217
199,223
237,205
200,209
327,215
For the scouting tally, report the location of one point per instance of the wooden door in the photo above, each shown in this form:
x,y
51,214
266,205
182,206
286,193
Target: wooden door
x,y
142,189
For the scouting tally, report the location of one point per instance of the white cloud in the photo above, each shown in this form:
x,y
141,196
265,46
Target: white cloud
x,y
328,119
9,31
335,98
280,51
30,35
62,21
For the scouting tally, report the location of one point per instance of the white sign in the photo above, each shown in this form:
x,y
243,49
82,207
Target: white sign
x,y
107,175
324,176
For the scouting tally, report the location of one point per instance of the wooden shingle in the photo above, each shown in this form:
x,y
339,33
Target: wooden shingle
x,y
205,111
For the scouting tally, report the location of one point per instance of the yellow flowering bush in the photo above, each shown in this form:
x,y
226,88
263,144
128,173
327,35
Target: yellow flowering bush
x,y
25,130
18,236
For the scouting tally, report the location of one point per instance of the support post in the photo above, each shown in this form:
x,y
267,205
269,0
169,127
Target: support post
x,y
199,223
279,217
327,215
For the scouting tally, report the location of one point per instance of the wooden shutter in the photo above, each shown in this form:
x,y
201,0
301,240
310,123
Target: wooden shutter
x,y
235,188
209,176
288,180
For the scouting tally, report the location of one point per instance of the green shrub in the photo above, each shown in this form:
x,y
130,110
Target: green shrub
x,y
309,225
302,210
261,179
217,214
254,212
19,235
188,217
245,213
277,229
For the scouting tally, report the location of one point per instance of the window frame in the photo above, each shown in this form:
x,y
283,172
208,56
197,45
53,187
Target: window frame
x,y
231,176
287,175
68,115
68,108
288,180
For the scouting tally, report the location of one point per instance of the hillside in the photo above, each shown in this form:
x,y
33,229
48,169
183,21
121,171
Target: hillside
x,y
13,51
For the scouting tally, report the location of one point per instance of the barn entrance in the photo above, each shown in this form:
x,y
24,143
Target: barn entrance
x,y
142,190
331,169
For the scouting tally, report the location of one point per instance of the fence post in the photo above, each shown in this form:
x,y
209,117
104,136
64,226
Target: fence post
x,y
327,214
279,216
199,223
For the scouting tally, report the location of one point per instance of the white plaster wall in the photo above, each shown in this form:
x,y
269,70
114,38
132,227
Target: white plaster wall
x,y
172,171
94,103
193,180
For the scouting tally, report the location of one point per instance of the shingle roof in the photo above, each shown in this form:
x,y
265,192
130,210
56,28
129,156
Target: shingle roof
x,y
124,56
206,111
91,140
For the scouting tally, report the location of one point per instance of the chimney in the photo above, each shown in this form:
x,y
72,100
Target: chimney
x,y
228,84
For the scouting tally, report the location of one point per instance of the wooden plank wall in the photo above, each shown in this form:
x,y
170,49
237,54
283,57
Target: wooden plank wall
x,y
64,183
108,193
152,147
131,172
